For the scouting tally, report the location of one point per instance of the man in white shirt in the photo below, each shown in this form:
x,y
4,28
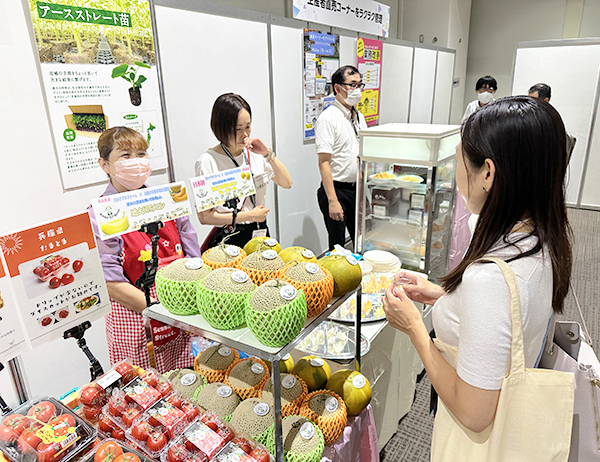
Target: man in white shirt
x,y
337,145
486,89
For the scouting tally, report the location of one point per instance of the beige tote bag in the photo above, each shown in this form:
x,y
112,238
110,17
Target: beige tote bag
x,y
535,410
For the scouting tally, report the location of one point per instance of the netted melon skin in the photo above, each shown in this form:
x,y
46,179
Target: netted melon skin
x,y
314,456
331,426
318,294
189,392
293,407
235,304
251,392
240,422
215,375
235,263
276,328
222,408
179,297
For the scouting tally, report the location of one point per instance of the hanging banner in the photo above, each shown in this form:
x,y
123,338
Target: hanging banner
x,y
126,212
98,68
12,337
368,61
56,276
321,60
365,16
217,188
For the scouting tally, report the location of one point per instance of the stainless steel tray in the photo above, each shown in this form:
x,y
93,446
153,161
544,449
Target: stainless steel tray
x,y
333,341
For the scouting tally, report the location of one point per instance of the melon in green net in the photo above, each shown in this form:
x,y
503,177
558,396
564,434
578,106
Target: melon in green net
x,y
253,417
187,382
218,398
177,283
223,296
302,440
276,313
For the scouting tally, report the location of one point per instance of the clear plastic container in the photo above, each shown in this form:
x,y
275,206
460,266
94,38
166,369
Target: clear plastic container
x,y
112,450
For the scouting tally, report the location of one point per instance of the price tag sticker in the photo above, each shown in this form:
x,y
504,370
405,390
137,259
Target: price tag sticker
x,y
194,263
306,253
232,251
239,276
261,409
269,254
188,379
286,357
316,362
307,430
351,260
288,382
312,268
359,381
332,404
224,391
270,242
257,368
288,292
224,351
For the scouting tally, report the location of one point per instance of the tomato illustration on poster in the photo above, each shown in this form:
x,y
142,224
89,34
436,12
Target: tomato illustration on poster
x,y
368,61
12,337
56,277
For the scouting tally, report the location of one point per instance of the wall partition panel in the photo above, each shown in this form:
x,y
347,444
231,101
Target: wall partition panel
x,y
444,76
570,67
396,76
423,86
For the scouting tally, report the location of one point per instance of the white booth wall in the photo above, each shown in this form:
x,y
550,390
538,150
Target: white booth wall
x,y
30,184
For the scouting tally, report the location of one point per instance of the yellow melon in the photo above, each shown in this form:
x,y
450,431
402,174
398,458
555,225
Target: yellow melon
x,y
314,371
286,365
346,273
262,243
353,387
298,253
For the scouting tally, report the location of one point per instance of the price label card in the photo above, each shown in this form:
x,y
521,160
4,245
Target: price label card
x,y
129,211
217,188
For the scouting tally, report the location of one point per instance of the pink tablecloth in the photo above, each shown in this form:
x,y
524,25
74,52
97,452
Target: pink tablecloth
x,y
358,443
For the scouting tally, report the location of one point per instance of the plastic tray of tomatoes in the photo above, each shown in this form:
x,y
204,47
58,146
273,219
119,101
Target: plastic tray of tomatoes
x,y
96,394
44,429
242,449
111,450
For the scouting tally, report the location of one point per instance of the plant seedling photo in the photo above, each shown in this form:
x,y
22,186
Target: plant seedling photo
x,y
130,73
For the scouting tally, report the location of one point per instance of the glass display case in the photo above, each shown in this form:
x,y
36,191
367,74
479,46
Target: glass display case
x,y
406,193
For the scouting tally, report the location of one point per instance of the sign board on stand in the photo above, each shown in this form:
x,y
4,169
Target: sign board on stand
x,y
217,188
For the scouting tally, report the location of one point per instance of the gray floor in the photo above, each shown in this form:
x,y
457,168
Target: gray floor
x,y
412,440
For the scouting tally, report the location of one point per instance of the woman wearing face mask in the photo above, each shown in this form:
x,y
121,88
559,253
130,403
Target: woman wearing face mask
x,y
123,157
486,89
231,123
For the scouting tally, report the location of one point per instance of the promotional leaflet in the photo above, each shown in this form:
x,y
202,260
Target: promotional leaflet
x,y
217,188
368,61
126,212
321,60
12,337
56,276
98,68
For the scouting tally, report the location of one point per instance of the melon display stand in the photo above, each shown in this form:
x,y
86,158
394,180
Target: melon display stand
x,y
242,339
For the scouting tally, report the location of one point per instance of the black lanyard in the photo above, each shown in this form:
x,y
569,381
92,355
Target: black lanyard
x,y
354,122
247,160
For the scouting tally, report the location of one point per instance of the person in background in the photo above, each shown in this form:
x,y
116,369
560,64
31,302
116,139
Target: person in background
x,y
486,89
231,123
518,190
124,159
544,92
336,141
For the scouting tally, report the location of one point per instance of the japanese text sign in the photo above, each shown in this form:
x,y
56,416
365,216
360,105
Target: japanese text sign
x,y
126,212
368,61
217,188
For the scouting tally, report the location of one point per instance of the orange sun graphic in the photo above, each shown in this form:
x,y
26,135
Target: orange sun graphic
x,y
11,244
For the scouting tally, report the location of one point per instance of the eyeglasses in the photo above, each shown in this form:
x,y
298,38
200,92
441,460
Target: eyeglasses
x,y
354,85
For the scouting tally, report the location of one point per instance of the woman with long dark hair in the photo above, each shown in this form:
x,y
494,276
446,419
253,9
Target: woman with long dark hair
x,y
510,169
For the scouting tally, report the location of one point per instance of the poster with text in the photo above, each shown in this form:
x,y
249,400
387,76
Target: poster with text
x,y
321,60
219,187
12,337
98,67
368,61
56,276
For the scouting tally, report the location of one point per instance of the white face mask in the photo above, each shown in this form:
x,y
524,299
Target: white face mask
x,y
353,97
485,97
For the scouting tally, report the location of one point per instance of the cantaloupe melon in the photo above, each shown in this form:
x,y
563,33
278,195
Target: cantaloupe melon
x,y
316,283
262,266
253,417
302,440
187,382
223,256
247,377
218,398
214,361
176,285
328,411
293,393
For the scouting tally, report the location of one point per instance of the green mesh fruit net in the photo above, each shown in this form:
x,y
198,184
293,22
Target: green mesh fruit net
x,y
278,327
291,431
179,297
223,310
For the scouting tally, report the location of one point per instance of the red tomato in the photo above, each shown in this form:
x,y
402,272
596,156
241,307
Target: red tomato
x,y
177,453
141,431
65,261
28,441
212,425
8,434
67,418
197,456
226,433
243,444
156,441
152,421
117,406
164,387
151,378
108,452
50,452
54,282
106,425
44,411
190,446
127,371
129,416
92,395
175,401
77,265
17,422
67,278
128,457
260,455
44,272
190,410
46,321
118,434
92,412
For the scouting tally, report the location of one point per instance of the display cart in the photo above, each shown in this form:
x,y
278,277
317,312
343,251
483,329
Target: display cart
x,y
405,196
243,340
